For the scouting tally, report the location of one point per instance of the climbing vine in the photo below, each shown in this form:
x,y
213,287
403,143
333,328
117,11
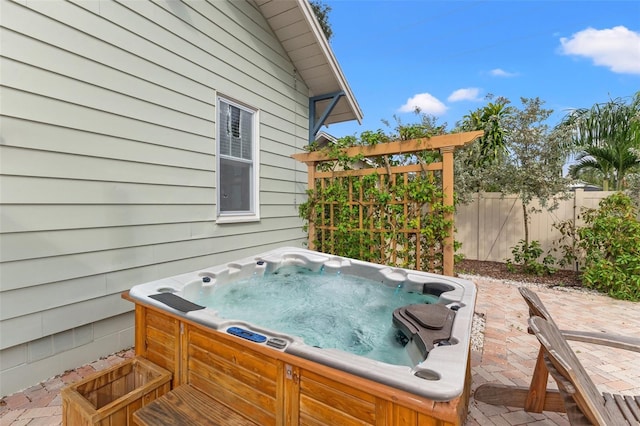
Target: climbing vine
x,y
388,215
385,197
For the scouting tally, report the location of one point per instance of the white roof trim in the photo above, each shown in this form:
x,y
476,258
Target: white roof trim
x,y
300,34
331,59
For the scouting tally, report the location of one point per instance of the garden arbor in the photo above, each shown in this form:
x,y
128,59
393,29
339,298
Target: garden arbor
x,y
400,215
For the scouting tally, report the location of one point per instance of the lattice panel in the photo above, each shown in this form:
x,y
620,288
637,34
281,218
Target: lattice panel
x,y
375,215
369,227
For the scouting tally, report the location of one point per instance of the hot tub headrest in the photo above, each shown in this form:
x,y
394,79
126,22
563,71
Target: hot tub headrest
x,y
434,317
428,324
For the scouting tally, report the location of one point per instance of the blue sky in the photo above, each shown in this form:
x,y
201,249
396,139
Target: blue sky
x,y
446,56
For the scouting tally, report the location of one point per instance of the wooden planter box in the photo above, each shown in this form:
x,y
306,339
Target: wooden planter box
x,y
110,397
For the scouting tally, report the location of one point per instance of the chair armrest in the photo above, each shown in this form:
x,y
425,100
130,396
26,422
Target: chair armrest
x,y
604,339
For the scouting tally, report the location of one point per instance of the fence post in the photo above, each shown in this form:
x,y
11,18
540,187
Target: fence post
x,y
578,202
477,227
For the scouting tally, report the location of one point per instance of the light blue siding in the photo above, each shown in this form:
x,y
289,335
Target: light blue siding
x,y
107,162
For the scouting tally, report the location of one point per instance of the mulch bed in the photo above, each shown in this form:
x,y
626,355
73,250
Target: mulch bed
x,y
499,270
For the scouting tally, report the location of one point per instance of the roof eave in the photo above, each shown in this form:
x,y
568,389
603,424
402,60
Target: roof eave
x,y
314,25
296,27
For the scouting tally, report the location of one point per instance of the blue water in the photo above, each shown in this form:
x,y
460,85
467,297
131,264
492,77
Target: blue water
x,y
329,311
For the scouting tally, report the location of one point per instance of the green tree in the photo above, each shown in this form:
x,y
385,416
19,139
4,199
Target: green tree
x,y
606,138
321,10
490,118
610,163
533,168
475,165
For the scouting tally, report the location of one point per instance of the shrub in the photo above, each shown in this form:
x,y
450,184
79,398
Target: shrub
x,y
610,240
527,255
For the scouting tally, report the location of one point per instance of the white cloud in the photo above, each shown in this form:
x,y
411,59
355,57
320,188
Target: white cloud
x,y
617,48
468,94
427,103
499,72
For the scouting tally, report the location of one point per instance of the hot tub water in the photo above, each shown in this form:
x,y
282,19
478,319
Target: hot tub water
x,y
327,310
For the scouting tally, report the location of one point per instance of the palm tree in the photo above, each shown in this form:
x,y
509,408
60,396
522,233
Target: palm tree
x,y
606,138
489,118
610,163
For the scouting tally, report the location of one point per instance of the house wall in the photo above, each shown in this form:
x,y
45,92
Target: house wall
x,y
107,163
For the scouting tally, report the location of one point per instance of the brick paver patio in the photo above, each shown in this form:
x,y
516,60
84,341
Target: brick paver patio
x,y
508,356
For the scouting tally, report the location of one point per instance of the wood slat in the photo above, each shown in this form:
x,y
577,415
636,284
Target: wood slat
x,y
233,374
634,405
235,354
398,147
311,377
627,343
217,369
185,405
621,403
361,405
318,412
413,168
516,396
235,389
403,416
160,340
228,397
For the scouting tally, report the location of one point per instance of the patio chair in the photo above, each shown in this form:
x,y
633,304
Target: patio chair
x,y
583,402
537,398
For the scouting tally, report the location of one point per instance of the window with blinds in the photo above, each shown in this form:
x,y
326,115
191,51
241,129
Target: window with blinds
x,y
236,152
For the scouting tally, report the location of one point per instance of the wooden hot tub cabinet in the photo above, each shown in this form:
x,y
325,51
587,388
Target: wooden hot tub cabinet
x,y
271,387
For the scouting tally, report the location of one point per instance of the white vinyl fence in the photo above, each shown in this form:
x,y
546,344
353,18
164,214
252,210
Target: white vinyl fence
x,y
491,225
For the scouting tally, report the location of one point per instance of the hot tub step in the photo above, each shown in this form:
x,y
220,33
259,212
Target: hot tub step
x,y
186,405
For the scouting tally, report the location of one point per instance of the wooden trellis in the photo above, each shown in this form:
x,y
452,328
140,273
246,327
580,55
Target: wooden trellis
x,y
381,224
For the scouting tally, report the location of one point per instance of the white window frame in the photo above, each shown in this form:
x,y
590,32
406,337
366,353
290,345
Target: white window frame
x,y
253,214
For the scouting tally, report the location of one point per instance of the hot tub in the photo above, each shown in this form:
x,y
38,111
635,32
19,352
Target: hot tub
x,y
429,325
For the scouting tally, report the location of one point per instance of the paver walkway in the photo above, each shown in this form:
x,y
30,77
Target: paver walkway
x,y
508,356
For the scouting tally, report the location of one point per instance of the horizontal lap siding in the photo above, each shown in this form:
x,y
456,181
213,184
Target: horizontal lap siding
x,y
74,216
107,160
